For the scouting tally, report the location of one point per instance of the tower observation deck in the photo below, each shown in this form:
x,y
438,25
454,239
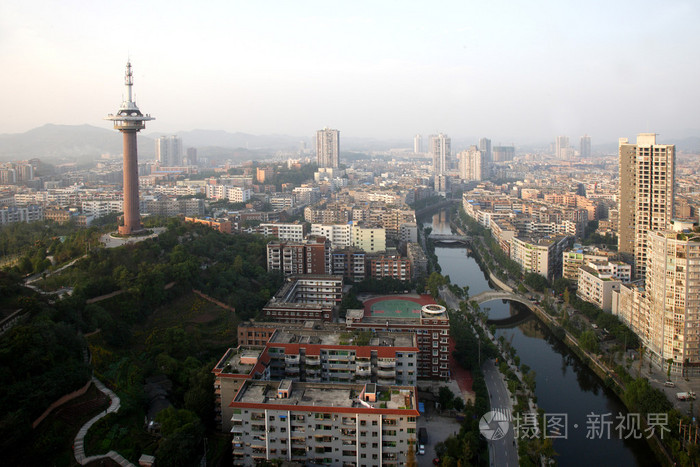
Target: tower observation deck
x,y
129,120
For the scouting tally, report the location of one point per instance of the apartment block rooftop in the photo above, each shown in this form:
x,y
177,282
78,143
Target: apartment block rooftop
x,y
239,360
367,397
350,338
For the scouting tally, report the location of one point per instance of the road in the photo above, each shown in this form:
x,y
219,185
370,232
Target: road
x,y
502,452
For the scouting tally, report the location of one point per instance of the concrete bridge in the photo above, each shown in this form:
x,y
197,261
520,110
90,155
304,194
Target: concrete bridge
x,y
489,295
447,239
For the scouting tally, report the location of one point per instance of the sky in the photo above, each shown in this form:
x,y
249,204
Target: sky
x,y
520,72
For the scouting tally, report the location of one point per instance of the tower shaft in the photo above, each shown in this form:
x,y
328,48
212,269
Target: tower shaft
x,y
132,217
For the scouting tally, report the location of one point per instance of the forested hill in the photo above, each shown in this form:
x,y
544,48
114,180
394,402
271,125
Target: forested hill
x,y
43,357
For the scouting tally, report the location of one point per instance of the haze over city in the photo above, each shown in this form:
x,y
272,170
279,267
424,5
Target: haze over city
x,y
522,73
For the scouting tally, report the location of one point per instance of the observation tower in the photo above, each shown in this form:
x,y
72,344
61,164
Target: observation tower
x,y
129,120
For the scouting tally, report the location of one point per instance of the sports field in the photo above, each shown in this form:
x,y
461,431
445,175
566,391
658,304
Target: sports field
x,y
391,306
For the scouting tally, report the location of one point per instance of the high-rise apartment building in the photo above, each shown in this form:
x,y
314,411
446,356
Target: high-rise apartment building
x,y
169,151
585,147
664,311
440,148
417,144
673,294
471,164
485,148
503,153
191,156
562,147
646,193
328,147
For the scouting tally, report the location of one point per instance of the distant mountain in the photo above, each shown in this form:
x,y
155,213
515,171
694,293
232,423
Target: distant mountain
x,y
79,143
224,139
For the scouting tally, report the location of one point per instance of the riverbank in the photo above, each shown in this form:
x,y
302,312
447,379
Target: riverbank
x,y
592,361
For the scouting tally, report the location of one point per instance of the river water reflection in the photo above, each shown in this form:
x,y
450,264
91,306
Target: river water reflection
x,y
564,384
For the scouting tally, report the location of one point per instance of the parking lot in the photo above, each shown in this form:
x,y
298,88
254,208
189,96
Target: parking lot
x,y
439,428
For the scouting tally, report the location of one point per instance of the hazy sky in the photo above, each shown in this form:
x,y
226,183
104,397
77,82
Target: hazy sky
x,y
510,70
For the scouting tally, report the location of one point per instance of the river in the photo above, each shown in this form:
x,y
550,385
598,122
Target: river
x,y
564,385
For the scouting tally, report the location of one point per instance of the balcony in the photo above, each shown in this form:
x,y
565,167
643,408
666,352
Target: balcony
x,y
386,364
363,372
386,374
291,359
312,360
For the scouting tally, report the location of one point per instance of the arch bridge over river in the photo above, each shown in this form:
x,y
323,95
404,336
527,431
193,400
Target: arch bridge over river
x,y
450,239
490,295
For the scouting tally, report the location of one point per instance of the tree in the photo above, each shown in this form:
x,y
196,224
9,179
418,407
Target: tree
x,y
536,281
411,454
446,397
182,435
668,372
588,341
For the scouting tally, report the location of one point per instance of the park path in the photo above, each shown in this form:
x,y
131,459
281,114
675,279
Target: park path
x,y
78,444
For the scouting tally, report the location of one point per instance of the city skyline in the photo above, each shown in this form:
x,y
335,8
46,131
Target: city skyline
x,y
266,65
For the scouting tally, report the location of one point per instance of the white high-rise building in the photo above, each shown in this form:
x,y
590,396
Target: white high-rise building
x,y
417,144
562,147
440,149
328,148
471,164
169,151
646,195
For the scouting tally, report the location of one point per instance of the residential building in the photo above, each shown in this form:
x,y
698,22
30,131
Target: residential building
x,y
310,256
485,148
322,423
11,214
390,266
264,173
294,232
503,153
408,232
234,194
562,147
369,239
541,256
328,148
417,259
349,263
417,144
340,235
646,195
471,164
169,151
672,292
440,149
574,258
222,225
310,297
326,353
596,284
281,201
431,326
585,150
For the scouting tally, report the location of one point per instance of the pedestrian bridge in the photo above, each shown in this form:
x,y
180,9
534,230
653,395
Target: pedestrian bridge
x,y
489,295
